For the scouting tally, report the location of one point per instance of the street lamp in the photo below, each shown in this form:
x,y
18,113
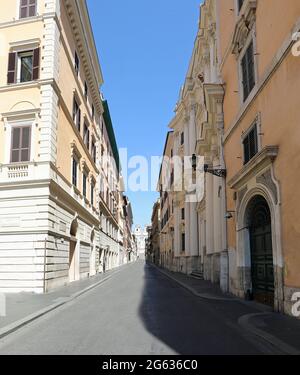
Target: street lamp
x,y
219,172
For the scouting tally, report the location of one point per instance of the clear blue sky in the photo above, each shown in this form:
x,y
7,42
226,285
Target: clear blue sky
x,y
144,48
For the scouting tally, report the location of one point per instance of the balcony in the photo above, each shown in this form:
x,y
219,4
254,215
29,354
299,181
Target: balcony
x,y
24,172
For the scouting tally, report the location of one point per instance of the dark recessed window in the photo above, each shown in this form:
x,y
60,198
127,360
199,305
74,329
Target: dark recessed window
x,y
248,71
76,114
93,151
86,91
74,171
250,144
20,144
84,183
77,63
182,214
183,242
27,8
92,193
182,138
86,136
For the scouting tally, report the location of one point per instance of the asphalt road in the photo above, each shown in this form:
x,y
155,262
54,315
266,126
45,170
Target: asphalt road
x,y
137,311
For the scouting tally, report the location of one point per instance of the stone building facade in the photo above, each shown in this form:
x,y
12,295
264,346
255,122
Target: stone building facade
x,y
59,199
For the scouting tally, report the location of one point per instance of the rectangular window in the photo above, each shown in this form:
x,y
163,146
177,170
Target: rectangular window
x,y
23,66
86,136
20,144
183,242
248,73
76,114
74,171
26,66
92,193
86,91
182,139
84,184
27,8
182,214
77,64
93,151
250,144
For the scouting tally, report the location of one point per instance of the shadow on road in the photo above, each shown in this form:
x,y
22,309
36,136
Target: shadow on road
x,y
187,325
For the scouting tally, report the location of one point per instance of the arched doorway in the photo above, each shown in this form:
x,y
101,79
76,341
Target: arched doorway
x,y
72,251
262,263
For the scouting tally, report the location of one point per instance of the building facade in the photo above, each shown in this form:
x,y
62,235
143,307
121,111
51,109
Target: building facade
x,y
261,148
166,188
59,190
141,235
236,119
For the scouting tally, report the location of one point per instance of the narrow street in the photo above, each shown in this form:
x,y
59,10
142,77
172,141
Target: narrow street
x,y
137,311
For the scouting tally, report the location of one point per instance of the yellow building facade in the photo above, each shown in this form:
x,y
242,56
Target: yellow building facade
x,y
59,189
261,148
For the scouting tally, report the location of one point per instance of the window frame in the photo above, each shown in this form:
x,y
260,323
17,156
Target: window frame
x,y
20,149
251,38
75,160
20,55
76,63
256,123
19,5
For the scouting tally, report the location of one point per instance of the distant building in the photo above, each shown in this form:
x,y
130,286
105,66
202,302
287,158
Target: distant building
x,y
141,235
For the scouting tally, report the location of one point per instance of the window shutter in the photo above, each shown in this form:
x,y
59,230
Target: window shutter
x,y
36,64
11,75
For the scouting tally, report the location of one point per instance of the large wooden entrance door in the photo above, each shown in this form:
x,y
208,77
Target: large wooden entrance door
x,y
262,266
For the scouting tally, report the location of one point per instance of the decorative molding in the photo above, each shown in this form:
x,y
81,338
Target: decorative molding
x,y
261,160
267,180
244,25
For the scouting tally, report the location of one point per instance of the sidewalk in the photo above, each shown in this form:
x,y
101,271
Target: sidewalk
x,y
22,308
280,331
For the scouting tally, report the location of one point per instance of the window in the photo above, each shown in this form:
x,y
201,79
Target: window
x,y
92,192
182,139
26,66
86,136
93,151
20,144
182,214
250,144
248,71
183,242
27,8
86,91
84,184
74,171
76,114
77,64
23,66
240,4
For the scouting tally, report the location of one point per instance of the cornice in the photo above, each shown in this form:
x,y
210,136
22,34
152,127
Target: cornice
x,y
82,31
265,157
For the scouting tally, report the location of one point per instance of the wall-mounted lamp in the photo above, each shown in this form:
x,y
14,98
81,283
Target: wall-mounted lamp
x,y
219,172
194,162
229,215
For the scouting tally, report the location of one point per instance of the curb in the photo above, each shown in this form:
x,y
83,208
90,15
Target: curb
x,y
244,322
13,327
192,290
